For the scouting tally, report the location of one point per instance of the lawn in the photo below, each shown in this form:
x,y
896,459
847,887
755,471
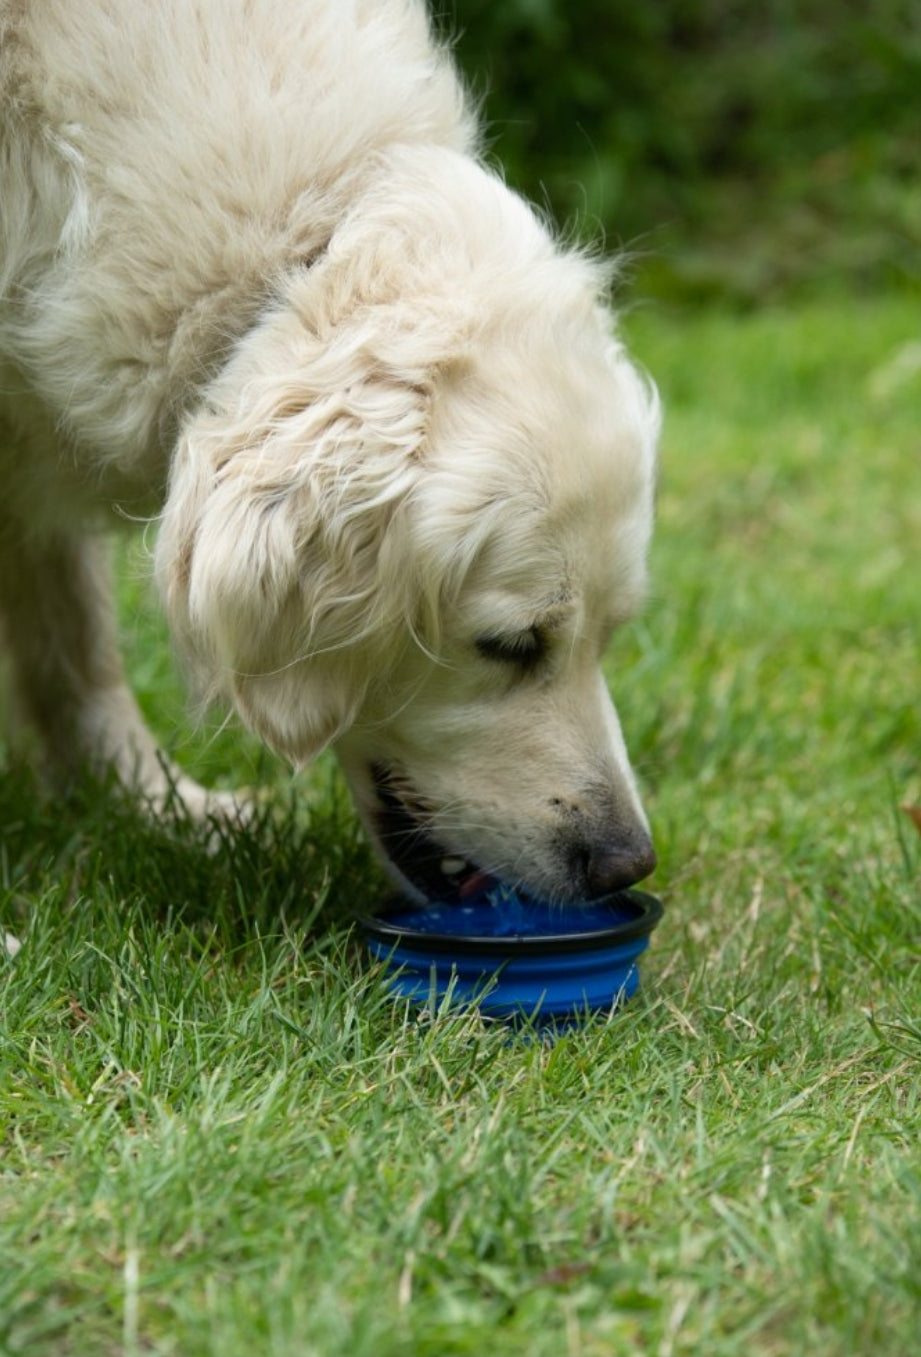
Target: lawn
x,y
221,1137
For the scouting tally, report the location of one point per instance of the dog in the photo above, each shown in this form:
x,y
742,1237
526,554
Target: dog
x,y
258,284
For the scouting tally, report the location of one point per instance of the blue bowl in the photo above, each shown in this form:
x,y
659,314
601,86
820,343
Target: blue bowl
x,y
516,958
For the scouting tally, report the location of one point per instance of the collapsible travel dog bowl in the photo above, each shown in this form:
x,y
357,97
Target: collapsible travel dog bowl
x,y
516,958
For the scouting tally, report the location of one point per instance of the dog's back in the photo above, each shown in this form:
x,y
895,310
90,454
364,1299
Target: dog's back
x,y
162,164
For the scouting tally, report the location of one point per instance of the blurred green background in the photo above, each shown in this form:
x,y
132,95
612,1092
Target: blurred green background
x,y
740,150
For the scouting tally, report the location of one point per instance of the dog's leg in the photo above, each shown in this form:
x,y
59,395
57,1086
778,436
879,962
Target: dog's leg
x,y
59,627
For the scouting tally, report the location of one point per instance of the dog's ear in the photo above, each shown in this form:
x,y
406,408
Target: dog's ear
x,y
282,554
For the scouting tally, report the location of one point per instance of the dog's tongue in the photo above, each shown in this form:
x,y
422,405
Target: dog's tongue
x,y
475,884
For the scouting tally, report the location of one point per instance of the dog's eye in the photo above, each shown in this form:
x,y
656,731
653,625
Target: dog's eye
x,y
525,649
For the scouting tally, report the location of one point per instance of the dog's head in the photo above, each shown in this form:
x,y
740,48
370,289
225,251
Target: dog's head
x,y
418,503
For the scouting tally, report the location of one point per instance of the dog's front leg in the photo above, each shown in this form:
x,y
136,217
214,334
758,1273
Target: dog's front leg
x,y
59,628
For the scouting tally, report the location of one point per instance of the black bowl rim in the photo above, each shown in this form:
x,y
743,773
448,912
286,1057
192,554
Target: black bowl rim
x,y
649,911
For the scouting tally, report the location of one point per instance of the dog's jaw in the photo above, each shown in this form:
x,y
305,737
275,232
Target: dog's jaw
x,y
423,866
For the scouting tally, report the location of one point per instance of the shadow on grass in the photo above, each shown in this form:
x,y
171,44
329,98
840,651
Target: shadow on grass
x,y
299,860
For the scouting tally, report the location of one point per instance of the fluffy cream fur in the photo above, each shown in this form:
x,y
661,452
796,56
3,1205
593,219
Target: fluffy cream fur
x,y
256,279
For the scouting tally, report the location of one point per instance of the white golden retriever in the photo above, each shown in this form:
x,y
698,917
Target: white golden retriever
x,y
256,280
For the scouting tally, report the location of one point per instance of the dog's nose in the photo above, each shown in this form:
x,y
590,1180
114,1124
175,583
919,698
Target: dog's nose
x,y
614,867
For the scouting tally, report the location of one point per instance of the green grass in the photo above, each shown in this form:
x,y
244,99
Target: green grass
x,y
219,1134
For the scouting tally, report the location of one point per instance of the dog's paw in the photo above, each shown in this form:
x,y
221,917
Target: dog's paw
x,y
200,803
214,816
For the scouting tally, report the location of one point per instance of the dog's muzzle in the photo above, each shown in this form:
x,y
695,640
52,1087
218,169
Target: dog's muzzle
x,y
593,856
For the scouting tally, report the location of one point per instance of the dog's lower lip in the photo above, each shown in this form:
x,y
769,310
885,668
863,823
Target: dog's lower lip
x,y
432,869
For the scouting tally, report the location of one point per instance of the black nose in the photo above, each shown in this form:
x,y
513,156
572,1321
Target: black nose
x,y
615,866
